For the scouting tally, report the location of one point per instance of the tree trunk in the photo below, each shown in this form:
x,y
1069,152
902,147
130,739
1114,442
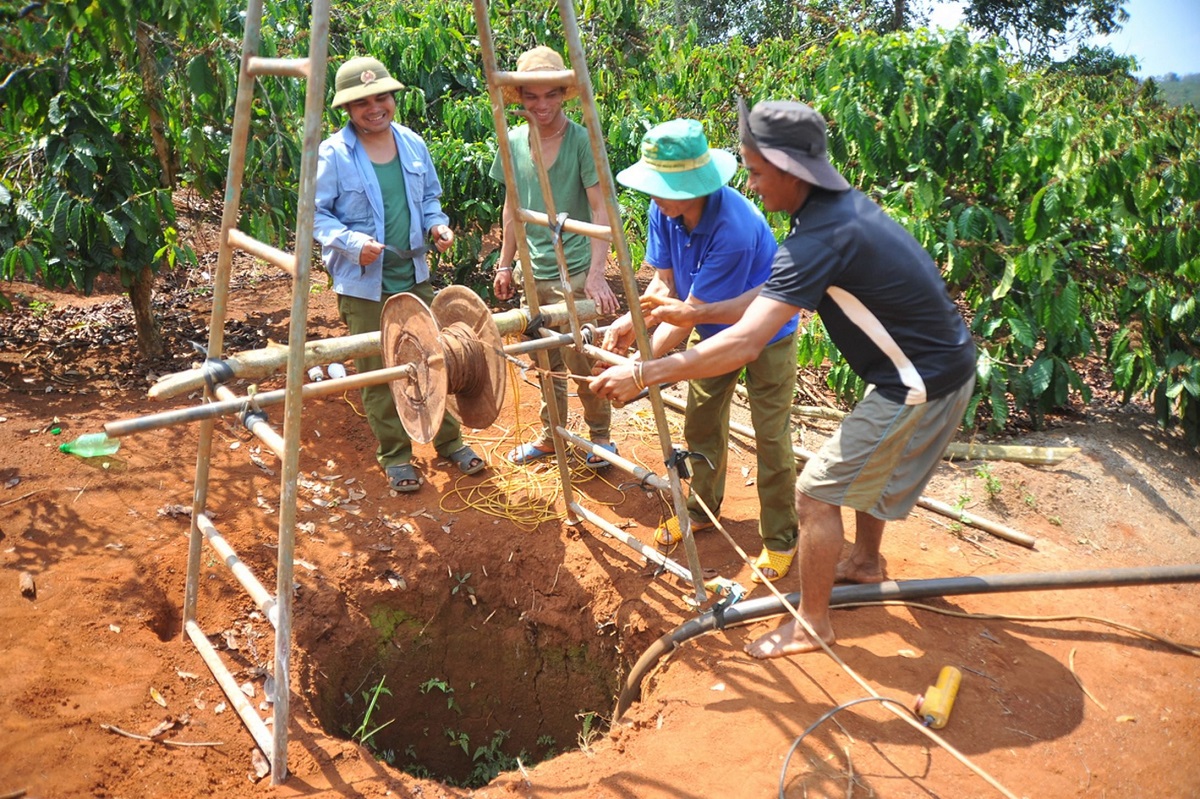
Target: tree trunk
x,y
153,96
141,292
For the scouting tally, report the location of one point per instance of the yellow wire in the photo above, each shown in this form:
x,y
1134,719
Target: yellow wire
x,y
353,407
525,495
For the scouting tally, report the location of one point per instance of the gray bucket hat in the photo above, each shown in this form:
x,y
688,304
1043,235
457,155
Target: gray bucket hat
x,y
791,136
362,77
677,163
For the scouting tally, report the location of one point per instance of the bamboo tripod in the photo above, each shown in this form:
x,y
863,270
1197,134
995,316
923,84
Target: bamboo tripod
x,y
579,78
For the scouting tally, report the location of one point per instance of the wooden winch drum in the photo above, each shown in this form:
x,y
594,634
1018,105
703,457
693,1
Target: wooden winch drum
x,y
409,335
457,353
474,352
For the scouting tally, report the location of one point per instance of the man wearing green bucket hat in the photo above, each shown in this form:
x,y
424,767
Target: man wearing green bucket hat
x,y
377,203
708,243
885,305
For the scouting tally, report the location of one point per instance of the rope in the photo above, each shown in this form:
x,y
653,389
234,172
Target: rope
x,y
903,715
1187,649
524,495
466,370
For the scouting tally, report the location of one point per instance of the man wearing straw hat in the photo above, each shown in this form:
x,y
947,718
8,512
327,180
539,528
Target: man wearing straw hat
x,y
708,243
377,202
885,306
571,168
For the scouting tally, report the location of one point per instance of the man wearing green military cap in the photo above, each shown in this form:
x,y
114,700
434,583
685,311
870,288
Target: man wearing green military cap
x,y
377,204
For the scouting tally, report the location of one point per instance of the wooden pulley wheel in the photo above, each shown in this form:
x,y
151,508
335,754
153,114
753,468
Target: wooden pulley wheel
x,y
409,335
474,353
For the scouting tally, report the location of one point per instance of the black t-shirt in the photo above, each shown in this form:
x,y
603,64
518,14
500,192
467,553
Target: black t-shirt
x,y
879,295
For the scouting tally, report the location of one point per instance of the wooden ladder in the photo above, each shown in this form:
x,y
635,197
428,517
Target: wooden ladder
x,y
277,607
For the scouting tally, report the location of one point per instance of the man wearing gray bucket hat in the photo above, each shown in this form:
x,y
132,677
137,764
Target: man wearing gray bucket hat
x,y
708,243
377,203
885,305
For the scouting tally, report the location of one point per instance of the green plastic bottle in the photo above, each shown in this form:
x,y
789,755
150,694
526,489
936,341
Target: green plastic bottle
x,y
91,445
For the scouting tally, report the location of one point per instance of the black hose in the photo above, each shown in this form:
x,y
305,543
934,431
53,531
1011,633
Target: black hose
x,y
755,609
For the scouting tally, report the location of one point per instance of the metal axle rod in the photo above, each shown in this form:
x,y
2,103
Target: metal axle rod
x,y
212,410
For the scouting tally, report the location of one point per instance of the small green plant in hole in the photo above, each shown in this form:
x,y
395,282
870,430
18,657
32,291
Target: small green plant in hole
x,y
590,731
438,684
459,739
490,760
548,743
366,732
461,585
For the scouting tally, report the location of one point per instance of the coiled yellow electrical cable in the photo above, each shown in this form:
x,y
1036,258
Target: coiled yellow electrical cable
x,y
524,494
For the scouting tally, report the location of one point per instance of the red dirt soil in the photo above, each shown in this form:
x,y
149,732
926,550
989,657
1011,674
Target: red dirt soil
x,y
1065,708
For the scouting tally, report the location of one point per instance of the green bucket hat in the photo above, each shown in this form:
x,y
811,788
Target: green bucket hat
x,y
362,77
678,164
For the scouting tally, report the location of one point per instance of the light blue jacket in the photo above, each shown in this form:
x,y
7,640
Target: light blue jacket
x,y
349,208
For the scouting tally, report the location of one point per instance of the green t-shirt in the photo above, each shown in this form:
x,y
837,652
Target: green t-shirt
x,y
399,274
573,172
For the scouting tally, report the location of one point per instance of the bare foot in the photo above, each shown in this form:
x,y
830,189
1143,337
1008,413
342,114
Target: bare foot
x,y
789,638
851,571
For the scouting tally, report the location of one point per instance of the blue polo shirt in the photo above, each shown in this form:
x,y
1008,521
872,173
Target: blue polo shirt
x,y
729,252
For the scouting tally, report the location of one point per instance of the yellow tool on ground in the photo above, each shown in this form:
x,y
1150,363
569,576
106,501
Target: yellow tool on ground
x,y
934,707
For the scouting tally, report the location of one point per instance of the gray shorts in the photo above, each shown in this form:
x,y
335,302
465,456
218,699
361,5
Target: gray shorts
x,y
883,454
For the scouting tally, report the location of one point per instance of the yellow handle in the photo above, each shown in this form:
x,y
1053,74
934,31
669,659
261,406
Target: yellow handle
x,y
939,699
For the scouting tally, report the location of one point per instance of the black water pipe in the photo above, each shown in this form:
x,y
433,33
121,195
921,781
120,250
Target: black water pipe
x,y
755,609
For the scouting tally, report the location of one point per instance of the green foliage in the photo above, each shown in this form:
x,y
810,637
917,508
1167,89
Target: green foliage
x,y
1039,27
107,110
590,730
754,21
991,483
1058,205
365,732
814,349
75,203
438,684
461,584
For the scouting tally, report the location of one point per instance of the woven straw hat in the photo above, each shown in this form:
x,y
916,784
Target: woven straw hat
x,y
539,59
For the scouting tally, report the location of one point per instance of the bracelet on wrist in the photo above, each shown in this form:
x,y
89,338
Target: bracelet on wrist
x,y
638,378
504,268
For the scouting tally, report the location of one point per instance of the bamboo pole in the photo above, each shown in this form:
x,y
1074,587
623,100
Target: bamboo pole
x,y
649,553
971,451
256,364
1038,456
